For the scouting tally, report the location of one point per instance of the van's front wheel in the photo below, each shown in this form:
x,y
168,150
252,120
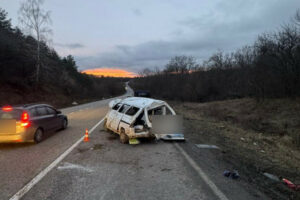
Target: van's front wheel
x,y
123,137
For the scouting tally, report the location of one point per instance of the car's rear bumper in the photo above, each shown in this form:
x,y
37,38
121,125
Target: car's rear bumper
x,y
23,136
12,138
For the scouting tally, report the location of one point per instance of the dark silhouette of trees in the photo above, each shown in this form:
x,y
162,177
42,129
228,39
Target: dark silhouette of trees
x,y
58,76
270,68
180,64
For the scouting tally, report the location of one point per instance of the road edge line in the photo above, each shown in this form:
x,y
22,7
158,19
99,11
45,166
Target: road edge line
x,y
45,171
201,173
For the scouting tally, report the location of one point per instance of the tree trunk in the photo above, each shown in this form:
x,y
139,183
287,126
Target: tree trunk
x,y
38,61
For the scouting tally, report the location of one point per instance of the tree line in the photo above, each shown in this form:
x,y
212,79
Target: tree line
x,y
18,71
270,68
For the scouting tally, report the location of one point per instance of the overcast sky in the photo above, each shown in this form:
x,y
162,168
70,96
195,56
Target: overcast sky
x,y
134,34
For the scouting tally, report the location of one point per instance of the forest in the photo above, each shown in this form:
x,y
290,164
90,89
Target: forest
x,y
269,68
60,82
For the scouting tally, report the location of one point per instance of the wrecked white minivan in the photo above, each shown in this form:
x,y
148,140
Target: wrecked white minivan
x,y
132,117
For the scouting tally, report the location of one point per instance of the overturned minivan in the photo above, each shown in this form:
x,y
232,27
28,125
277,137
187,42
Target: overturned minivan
x,y
132,116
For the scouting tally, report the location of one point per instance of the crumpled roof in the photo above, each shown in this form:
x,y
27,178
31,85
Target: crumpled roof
x,y
142,102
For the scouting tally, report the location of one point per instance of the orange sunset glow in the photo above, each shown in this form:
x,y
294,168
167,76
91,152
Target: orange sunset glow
x,y
110,72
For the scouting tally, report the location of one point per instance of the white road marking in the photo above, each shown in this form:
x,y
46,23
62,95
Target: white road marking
x,y
68,165
200,172
43,173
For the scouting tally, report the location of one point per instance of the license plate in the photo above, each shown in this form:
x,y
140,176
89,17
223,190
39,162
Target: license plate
x,y
7,126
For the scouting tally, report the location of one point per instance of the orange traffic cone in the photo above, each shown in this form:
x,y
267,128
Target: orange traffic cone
x,y
86,137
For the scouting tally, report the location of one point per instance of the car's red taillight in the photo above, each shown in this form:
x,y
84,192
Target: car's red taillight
x,y
7,108
25,119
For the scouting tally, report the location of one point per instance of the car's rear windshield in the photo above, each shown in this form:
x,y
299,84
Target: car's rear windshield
x,y
14,114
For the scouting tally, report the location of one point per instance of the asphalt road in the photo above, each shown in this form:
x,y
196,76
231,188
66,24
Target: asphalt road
x,y
19,163
106,169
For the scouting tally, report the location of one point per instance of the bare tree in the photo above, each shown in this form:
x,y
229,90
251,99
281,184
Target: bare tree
x,y
35,21
297,17
146,72
180,64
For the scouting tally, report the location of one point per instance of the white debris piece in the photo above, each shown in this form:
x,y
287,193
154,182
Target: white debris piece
x,y
271,176
175,136
67,165
74,103
207,146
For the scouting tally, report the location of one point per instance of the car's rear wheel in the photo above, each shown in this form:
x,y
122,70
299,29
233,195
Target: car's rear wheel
x,y
123,137
38,136
65,124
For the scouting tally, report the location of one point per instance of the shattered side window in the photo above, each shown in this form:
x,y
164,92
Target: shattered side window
x,y
140,120
116,107
132,111
124,108
155,111
168,111
158,111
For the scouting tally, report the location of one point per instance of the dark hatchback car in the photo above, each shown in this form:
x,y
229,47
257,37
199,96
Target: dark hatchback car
x,y
142,93
30,122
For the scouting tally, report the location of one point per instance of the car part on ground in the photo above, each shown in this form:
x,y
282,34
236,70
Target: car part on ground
x,y
170,137
207,146
231,174
134,141
291,185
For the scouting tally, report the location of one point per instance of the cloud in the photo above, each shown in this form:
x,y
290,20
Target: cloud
x,y
137,12
149,54
70,46
227,26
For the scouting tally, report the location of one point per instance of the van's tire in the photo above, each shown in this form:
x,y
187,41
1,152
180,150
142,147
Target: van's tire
x,y
64,124
38,135
124,139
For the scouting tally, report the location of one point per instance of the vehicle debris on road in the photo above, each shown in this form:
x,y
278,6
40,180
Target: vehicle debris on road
x,y
134,141
170,137
291,185
231,174
207,146
271,176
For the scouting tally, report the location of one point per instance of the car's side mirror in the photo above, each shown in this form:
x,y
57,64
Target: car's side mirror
x,y
58,112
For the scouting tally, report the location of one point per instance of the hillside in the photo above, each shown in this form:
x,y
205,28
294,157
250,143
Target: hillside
x,y
254,137
60,82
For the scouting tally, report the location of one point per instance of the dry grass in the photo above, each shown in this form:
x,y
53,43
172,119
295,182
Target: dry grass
x,y
262,135
273,117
